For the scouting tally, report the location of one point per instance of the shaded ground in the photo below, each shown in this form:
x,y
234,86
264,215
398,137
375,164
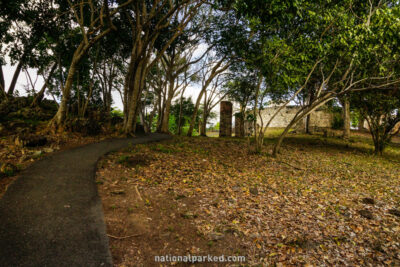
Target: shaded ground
x,y
324,201
51,215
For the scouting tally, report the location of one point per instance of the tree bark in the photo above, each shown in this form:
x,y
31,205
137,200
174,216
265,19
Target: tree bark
x,y
3,94
40,95
194,115
14,79
62,109
203,126
180,115
346,118
167,110
299,116
216,70
2,84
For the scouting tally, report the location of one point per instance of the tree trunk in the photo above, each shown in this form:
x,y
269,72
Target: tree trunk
x,y
346,118
165,120
135,93
40,95
301,114
160,113
3,93
143,121
257,136
14,79
203,126
194,115
180,115
61,114
2,84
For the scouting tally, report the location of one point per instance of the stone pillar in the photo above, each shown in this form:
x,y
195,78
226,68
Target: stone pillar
x,y
225,116
239,125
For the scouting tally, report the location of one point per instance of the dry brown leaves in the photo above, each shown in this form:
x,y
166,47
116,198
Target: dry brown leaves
x,y
306,207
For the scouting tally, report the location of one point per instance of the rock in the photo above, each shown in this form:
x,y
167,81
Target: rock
x,y
395,212
216,236
48,150
366,214
369,201
254,191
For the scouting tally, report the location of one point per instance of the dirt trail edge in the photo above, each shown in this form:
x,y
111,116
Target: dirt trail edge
x,y
52,214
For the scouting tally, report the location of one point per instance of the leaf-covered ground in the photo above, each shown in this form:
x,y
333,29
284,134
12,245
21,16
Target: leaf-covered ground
x,y
322,202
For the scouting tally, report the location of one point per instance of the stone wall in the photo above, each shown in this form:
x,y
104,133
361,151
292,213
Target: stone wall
x,y
320,118
225,125
239,126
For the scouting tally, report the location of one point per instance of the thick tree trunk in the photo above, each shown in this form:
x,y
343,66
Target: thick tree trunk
x,y
134,98
61,114
346,118
203,127
14,79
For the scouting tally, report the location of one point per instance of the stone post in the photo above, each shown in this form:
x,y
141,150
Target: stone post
x,y
239,125
225,124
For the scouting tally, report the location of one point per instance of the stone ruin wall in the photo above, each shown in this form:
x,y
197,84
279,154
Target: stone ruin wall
x,y
225,127
320,118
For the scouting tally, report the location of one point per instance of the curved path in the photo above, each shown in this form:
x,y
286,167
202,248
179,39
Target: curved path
x,y
52,214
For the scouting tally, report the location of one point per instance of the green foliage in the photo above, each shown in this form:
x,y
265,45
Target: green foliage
x,y
187,111
355,118
117,113
172,124
382,111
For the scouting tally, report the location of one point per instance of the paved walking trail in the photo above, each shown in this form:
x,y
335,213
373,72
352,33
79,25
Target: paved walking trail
x,y
52,214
